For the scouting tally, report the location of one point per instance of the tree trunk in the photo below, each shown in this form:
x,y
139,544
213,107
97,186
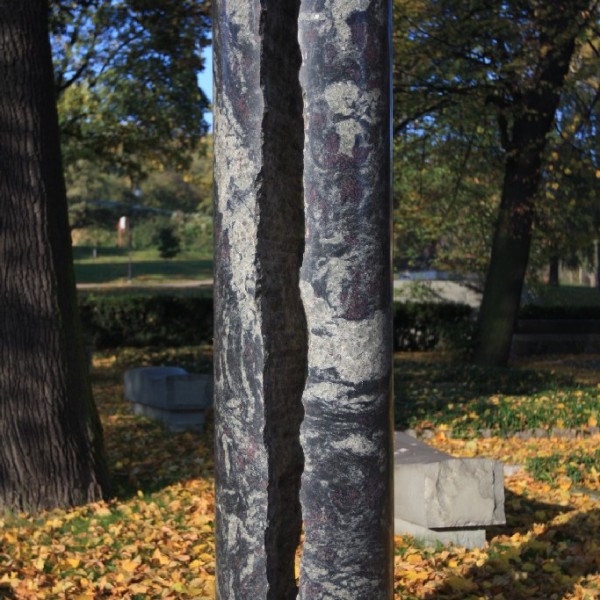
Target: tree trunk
x,y
51,452
506,273
553,271
532,113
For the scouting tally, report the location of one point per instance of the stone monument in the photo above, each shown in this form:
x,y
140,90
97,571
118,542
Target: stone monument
x,y
303,359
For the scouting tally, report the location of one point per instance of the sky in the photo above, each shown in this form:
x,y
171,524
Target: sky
x,y
206,80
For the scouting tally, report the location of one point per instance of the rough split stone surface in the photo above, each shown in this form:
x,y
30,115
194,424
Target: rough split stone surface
x,y
260,330
436,490
346,289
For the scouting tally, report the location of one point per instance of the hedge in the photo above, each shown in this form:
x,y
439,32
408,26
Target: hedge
x,y
534,311
161,320
426,325
111,321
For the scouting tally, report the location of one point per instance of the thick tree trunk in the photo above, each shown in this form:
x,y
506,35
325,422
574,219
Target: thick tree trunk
x,y
506,273
50,437
533,113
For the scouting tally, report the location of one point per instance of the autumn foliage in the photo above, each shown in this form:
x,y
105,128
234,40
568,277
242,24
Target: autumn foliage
x,y
155,539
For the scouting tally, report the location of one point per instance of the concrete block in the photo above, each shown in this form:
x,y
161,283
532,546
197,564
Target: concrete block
x,y
436,490
169,394
190,391
148,385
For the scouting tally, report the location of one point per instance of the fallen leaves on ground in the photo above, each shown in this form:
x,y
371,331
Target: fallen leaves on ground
x,y
156,539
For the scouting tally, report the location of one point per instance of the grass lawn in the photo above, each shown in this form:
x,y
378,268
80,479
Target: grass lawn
x,y
156,538
111,266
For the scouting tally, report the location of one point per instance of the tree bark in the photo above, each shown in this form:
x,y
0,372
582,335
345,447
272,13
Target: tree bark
x,y
51,452
532,114
260,330
347,293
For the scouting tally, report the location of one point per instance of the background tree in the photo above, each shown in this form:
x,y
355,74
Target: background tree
x,y
127,82
51,444
169,244
500,62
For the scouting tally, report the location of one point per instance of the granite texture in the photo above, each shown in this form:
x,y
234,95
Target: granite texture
x,y
260,329
346,290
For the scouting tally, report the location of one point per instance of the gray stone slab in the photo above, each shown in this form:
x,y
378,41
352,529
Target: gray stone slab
x,y
190,391
148,385
468,538
169,394
168,388
435,490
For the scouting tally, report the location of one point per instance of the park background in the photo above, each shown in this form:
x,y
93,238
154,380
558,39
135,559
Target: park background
x,y
136,143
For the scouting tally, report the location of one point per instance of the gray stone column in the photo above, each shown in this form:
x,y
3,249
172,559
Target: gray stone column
x,y
346,289
260,330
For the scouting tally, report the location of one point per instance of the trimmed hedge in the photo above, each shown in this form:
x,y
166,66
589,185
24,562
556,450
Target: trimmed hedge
x,y
426,325
535,311
161,320
111,321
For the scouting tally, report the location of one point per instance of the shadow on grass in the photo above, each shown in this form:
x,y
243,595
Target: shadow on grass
x,y
145,457
426,390
6,592
548,565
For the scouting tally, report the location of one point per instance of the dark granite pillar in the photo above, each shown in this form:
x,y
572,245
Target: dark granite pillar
x,y
346,289
260,330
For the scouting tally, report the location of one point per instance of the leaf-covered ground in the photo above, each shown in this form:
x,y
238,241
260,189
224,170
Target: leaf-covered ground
x,y
156,538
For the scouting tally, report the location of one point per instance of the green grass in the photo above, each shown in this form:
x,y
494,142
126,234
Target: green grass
x,y
111,267
467,399
544,468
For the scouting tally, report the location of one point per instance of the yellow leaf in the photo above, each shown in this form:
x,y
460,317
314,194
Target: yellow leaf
x,y
159,557
592,421
209,588
413,559
54,523
102,511
130,565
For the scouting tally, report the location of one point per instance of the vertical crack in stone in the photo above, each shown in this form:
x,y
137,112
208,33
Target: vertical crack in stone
x,y
280,246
